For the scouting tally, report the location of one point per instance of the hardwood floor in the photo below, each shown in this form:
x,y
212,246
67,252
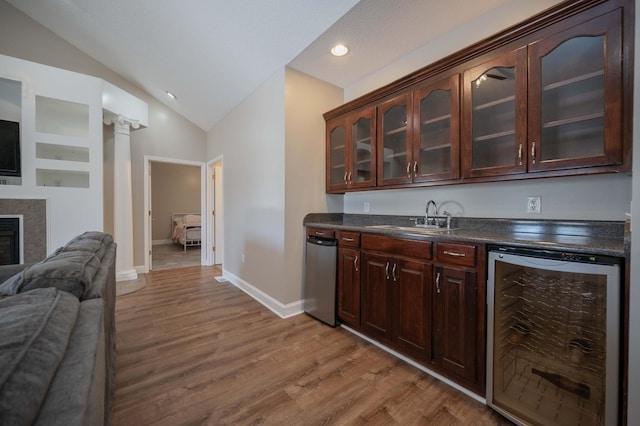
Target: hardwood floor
x,y
171,256
191,351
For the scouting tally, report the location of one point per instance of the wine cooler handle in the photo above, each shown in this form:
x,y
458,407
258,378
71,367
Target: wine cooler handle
x,y
438,282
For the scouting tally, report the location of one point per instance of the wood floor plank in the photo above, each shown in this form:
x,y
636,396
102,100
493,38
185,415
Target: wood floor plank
x,y
193,351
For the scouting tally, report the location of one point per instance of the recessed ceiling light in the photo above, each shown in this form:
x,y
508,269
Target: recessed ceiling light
x,y
339,50
171,95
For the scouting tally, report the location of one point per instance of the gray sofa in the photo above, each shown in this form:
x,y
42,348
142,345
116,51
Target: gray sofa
x,y
57,336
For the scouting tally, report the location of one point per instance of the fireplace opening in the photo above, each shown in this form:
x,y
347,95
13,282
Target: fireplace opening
x,y
9,241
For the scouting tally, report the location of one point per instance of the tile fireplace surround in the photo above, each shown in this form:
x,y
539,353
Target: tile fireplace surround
x,y
34,212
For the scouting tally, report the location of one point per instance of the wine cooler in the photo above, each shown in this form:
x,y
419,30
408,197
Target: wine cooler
x,y
553,326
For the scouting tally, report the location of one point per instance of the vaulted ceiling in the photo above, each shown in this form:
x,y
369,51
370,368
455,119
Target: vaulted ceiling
x,y
214,53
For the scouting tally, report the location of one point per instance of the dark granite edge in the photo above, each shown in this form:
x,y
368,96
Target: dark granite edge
x,y
598,237
583,228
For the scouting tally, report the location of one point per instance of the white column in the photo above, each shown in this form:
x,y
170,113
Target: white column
x,y
122,197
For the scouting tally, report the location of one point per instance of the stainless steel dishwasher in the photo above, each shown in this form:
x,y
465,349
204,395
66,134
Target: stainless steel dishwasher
x,y
320,280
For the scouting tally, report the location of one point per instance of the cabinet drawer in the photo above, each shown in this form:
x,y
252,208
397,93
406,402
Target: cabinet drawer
x,y
321,232
397,246
456,254
349,239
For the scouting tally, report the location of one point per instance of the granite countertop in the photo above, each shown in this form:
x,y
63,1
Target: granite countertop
x,y
590,237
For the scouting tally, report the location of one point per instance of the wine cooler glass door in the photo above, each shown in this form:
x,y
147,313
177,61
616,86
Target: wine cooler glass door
x,y
553,339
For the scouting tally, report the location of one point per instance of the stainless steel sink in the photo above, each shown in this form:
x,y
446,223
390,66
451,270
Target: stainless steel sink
x,y
416,228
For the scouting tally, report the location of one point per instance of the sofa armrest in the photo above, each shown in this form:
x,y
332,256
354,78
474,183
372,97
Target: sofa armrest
x,y
7,271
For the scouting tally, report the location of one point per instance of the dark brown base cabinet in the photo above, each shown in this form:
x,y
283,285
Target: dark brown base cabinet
x,y
349,278
395,302
429,309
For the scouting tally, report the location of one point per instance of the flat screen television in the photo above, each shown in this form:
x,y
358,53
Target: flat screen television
x,y
10,165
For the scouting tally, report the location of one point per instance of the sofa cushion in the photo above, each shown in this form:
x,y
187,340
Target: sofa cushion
x,y
71,271
89,245
35,331
105,239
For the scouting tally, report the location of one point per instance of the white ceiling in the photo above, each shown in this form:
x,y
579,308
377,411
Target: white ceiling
x,y
214,53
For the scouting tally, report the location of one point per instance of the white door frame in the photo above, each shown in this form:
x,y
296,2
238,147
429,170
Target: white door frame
x,y
147,205
215,228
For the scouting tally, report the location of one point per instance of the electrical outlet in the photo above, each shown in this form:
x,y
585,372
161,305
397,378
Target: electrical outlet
x,y
534,205
366,207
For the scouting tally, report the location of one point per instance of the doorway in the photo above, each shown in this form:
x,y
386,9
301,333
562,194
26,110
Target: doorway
x,y
174,202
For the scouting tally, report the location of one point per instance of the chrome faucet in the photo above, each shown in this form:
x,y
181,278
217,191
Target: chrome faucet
x,y
426,213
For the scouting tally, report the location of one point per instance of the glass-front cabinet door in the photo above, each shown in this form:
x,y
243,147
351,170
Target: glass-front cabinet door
x,y
337,155
494,122
573,79
394,128
436,131
362,172
351,151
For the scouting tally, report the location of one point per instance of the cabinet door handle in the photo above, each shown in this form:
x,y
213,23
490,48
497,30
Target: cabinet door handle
x,y
455,254
386,270
349,178
355,263
520,154
409,169
345,177
438,282
415,169
533,153
393,272
347,239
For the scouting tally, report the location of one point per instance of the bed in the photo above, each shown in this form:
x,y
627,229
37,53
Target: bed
x,y
186,229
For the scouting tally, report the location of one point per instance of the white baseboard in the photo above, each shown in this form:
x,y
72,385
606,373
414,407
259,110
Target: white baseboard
x,y
158,242
140,269
278,308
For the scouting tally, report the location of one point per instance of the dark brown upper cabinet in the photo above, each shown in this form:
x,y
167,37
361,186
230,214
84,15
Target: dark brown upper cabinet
x,y
436,134
394,138
575,80
549,97
495,116
351,151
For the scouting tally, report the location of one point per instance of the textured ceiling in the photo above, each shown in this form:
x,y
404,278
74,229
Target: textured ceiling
x,y
214,53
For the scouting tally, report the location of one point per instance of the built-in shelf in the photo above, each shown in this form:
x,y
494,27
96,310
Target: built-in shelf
x,y
61,117
62,178
62,152
396,131
573,80
572,120
496,102
496,135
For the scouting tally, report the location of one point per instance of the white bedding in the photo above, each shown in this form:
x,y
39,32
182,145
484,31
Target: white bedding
x,y
186,229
